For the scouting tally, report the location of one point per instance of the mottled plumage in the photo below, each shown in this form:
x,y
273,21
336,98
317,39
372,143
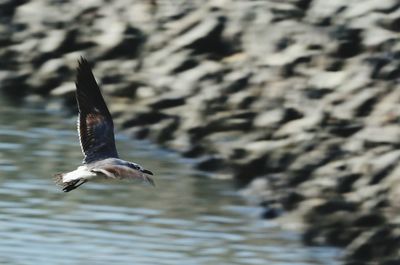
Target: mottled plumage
x,y
96,137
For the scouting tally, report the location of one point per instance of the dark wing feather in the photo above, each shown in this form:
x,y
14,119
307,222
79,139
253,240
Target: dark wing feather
x,y
95,125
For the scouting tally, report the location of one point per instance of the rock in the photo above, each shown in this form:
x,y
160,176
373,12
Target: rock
x,y
318,156
64,90
204,37
379,135
144,118
269,119
271,213
291,114
370,220
14,84
305,124
165,129
334,206
290,58
5,38
166,61
286,11
211,164
49,76
384,7
53,41
393,192
391,262
328,80
118,40
343,128
381,166
345,183
194,151
327,226
374,37
374,243
236,81
389,72
125,90
223,123
8,8
349,43
245,171
259,188
188,81
355,263
291,200
320,12
391,22
360,104
167,102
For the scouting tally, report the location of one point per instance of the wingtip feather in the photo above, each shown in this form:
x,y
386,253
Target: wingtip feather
x,y
82,69
82,60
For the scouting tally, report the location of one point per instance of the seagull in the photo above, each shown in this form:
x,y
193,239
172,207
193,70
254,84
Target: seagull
x,y
96,137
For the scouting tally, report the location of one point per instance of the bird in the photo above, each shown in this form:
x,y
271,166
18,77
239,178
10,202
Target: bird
x,y
96,137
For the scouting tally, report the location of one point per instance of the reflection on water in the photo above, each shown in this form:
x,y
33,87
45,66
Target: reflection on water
x,y
186,219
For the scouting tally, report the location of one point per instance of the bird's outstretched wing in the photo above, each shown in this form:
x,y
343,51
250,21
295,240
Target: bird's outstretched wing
x,y
123,172
95,125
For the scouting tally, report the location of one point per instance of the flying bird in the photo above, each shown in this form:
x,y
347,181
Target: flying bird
x,y
96,137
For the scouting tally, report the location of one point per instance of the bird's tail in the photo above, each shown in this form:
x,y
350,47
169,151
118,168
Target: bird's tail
x,y
70,185
58,179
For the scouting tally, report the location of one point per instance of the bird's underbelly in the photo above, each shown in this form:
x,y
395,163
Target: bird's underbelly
x,y
79,173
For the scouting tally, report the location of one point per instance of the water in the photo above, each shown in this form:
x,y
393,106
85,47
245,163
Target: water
x,y
187,219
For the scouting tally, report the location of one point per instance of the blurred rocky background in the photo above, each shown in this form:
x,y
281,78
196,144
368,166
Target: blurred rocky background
x,y
298,101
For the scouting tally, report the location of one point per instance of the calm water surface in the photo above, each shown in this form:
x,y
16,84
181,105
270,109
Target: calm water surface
x,y
186,219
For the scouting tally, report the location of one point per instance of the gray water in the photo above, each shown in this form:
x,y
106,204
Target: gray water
x,y
187,219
